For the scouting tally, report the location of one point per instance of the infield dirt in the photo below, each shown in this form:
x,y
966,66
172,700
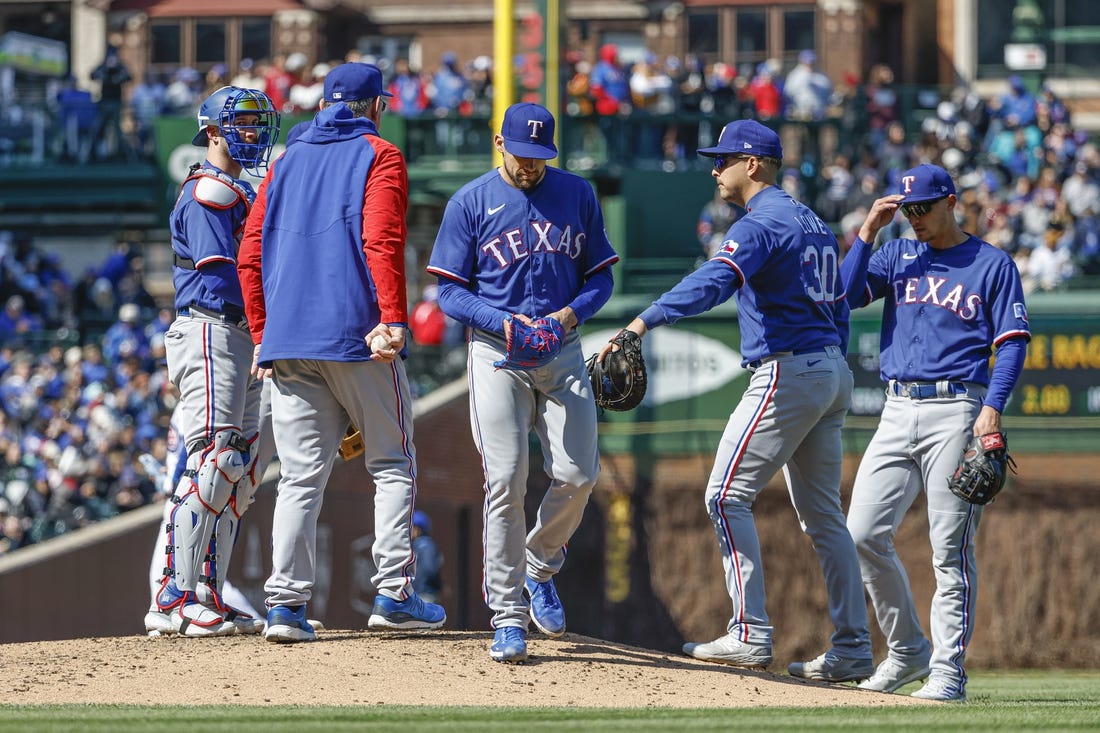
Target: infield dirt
x,y
367,668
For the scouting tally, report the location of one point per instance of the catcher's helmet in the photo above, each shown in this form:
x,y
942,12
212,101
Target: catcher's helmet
x,y
222,108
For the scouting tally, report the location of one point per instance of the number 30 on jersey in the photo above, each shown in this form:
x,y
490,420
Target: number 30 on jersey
x,y
821,274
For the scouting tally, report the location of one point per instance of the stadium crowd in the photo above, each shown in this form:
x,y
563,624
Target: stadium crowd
x,y
82,401
77,410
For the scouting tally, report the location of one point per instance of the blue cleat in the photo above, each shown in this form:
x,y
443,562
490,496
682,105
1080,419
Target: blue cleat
x,y
546,610
288,624
412,613
509,645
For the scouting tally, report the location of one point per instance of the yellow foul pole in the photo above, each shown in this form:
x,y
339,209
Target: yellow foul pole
x,y
504,28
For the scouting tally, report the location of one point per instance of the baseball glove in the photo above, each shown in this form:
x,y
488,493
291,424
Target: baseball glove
x,y
619,381
530,347
983,469
352,444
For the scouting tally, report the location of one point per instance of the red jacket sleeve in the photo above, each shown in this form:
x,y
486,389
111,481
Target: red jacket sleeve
x,y
249,258
385,203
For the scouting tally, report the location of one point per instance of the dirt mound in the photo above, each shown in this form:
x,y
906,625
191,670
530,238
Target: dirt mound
x,y
365,668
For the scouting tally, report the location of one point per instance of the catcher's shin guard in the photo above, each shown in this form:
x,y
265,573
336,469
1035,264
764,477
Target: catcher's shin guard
x,y
220,465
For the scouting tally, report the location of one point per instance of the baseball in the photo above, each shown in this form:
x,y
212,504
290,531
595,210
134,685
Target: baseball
x,y
379,343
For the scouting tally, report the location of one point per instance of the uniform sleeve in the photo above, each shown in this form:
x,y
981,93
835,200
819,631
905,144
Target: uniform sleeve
x,y
385,203
853,273
713,283
458,302
745,249
249,261
209,233
593,295
453,252
1008,312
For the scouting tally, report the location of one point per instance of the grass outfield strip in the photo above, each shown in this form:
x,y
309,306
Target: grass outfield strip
x,y
1017,701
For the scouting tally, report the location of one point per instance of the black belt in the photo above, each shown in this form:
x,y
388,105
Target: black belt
x,y
926,390
787,354
229,315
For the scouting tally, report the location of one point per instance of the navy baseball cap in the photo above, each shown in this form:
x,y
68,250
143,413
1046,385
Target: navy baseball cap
x,y
354,81
746,137
528,131
925,183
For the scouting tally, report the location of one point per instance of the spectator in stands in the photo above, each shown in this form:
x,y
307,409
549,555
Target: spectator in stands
x,y
480,77
446,94
307,92
427,321
247,76
77,116
182,94
448,86
125,338
882,103
609,84
765,95
277,81
839,184
147,103
410,97
807,90
15,323
112,75
428,582
715,220
1050,265
1011,110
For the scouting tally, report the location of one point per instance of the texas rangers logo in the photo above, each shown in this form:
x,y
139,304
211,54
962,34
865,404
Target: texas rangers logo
x,y
536,128
1019,311
728,247
907,183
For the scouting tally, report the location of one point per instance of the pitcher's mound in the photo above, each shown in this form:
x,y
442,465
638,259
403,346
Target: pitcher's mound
x,y
396,668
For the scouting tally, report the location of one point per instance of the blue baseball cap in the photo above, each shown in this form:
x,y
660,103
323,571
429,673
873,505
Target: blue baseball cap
x,y
354,81
746,137
925,183
421,520
528,131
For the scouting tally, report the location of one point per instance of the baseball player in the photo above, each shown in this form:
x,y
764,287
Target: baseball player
x,y
781,260
208,350
322,267
948,299
528,241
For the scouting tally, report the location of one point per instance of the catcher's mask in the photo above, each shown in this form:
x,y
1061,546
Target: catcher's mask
x,y
237,112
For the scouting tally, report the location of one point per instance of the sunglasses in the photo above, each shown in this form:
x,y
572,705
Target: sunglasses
x,y
721,161
384,105
919,210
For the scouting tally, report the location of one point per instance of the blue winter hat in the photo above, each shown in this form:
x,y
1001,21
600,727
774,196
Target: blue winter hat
x,y
746,137
925,183
421,520
354,81
528,131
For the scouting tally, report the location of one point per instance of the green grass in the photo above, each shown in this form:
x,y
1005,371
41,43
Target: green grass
x,y
1010,701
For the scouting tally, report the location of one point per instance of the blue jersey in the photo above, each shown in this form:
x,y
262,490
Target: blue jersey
x,y
783,261
526,252
206,226
943,310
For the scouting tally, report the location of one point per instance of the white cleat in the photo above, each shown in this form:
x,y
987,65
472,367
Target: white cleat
x,y
891,675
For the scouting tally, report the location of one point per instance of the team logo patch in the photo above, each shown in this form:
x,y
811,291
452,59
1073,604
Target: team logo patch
x,y
728,247
1019,311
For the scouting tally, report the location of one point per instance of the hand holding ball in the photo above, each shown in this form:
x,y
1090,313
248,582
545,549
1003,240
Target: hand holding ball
x,y
379,343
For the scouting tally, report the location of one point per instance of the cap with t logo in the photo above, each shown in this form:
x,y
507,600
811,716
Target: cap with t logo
x,y
925,183
528,131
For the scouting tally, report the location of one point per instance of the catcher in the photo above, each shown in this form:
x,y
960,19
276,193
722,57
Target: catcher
x,y
938,332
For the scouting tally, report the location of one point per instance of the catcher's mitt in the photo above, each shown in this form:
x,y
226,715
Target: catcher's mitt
x,y
983,470
352,444
531,347
619,381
